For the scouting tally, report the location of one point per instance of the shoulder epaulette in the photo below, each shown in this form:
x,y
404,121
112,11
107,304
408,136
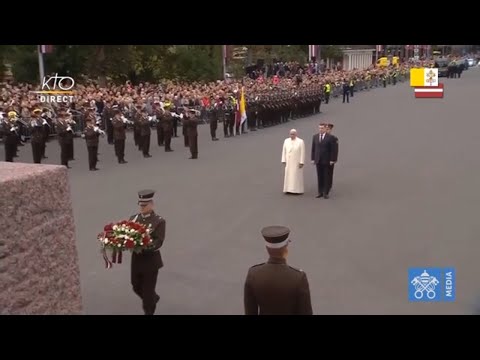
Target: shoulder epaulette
x,y
258,265
291,267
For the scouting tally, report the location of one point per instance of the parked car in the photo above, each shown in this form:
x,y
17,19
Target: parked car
x,y
472,62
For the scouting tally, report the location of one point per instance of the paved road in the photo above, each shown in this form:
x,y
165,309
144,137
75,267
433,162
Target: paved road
x,y
405,194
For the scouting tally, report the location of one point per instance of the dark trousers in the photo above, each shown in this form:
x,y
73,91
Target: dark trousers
x,y
92,156
327,98
323,178
144,283
70,151
213,129
160,136
43,148
168,139
119,149
231,123
351,91
64,154
346,96
193,143
225,127
330,177
137,137
10,151
110,131
185,140
145,144
175,126
37,148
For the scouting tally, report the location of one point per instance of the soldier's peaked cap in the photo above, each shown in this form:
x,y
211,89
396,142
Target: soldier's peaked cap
x,y
146,195
276,236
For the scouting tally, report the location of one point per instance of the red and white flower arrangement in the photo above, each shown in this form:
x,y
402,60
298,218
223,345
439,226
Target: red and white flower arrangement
x,y
122,236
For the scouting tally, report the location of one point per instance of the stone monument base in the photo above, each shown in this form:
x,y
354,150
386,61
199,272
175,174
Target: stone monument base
x,y
39,272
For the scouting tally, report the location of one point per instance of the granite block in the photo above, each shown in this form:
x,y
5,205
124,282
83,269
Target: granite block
x,y
39,272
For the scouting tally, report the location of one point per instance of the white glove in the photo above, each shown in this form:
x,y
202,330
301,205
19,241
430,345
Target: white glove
x,y
44,122
96,128
181,116
69,128
12,129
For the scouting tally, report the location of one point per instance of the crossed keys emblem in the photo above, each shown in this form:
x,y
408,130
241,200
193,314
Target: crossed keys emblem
x,y
430,77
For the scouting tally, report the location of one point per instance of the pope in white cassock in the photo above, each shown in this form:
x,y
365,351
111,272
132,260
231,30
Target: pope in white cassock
x,y
293,156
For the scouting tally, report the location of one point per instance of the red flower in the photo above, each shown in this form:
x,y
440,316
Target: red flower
x,y
108,227
130,244
146,240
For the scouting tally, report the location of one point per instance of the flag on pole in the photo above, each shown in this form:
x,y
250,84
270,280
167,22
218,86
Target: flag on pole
x,y
312,51
429,92
46,49
243,112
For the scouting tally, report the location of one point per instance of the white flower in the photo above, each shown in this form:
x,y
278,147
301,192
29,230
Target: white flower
x,y
119,245
115,227
105,241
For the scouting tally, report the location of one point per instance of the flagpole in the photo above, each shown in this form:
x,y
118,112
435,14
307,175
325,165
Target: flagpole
x,y
40,63
224,61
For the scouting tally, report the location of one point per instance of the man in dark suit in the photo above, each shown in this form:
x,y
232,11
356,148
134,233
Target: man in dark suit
x,y
323,156
145,265
274,288
335,152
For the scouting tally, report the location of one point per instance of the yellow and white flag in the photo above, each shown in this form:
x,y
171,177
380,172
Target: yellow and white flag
x,y
423,77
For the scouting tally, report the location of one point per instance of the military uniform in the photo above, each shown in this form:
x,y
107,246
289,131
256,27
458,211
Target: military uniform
x,y
107,115
137,127
145,132
146,264
190,123
160,131
9,133
166,122
119,137
37,138
91,134
275,288
65,138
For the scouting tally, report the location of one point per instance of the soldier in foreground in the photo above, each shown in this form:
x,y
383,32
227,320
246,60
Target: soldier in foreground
x,y
274,288
145,265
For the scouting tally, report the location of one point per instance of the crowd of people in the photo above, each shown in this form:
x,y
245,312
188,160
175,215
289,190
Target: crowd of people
x,y
109,111
285,95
